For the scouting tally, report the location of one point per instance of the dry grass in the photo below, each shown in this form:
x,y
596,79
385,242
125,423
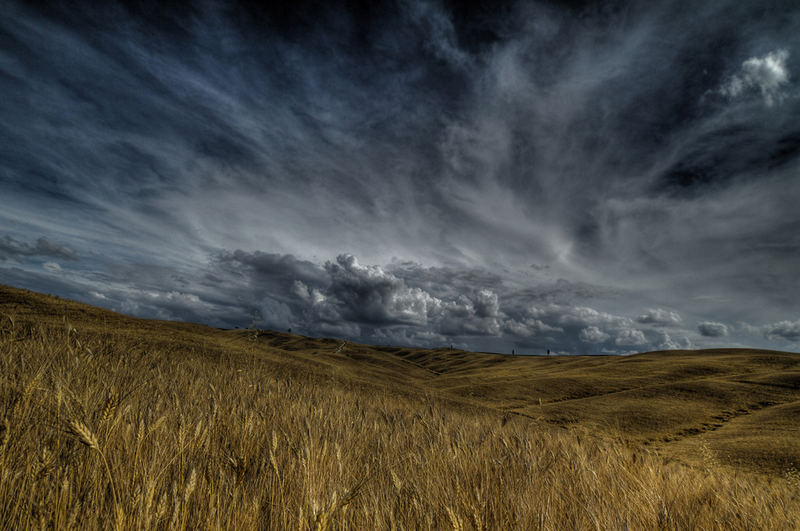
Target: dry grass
x,y
141,425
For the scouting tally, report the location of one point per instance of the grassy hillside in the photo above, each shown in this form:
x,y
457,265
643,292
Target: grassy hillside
x,y
146,424
666,400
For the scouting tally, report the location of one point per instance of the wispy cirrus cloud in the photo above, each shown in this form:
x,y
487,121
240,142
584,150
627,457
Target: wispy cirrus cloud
x,y
11,248
644,159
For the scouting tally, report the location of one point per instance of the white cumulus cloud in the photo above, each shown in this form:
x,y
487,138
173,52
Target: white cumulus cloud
x,y
665,342
592,334
788,330
659,317
631,337
767,74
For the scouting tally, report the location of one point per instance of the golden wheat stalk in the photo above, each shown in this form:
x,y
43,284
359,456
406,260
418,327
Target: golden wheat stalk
x,y
87,437
84,434
111,405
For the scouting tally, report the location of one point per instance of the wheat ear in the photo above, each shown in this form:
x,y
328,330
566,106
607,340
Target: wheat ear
x,y
87,437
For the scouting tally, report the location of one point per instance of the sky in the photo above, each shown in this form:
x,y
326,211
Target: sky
x,y
589,178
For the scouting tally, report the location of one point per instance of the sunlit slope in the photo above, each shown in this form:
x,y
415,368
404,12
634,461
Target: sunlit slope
x,y
741,404
659,398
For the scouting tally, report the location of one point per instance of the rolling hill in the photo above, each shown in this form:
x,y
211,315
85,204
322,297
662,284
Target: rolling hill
x,y
74,374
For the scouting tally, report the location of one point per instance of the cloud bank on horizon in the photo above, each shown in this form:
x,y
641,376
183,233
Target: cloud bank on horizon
x,y
525,175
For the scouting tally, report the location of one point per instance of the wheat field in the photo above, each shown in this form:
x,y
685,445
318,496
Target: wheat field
x,y
110,422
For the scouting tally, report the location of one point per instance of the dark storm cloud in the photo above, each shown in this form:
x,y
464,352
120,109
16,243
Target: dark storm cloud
x,y
370,294
406,300
45,282
271,267
347,299
784,330
13,248
712,329
228,160
363,298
